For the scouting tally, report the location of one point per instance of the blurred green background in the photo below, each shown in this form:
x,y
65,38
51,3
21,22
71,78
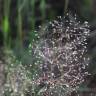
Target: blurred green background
x,y
19,18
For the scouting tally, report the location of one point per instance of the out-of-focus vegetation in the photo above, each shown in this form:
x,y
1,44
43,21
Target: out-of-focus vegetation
x,y
19,19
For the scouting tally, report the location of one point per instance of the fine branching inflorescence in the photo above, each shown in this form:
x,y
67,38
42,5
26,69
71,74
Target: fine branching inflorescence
x,y
61,56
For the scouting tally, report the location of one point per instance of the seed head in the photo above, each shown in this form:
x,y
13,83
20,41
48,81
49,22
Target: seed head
x,y
62,50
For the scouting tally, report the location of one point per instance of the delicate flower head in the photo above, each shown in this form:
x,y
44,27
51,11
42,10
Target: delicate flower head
x,y
61,50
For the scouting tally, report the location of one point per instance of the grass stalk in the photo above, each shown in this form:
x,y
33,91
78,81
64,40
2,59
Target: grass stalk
x,y
6,23
33,14
19,25
66,5
42,9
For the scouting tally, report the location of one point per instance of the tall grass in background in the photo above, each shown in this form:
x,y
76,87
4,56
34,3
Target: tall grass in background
x,y
6,23
42,9
32,19
66,5
20,6
33,14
